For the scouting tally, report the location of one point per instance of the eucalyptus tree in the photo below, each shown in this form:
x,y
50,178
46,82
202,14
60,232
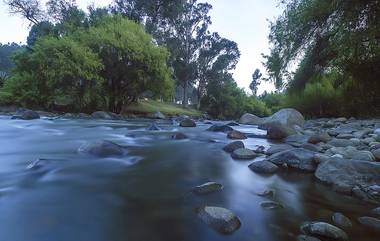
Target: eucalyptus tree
x,y
256,80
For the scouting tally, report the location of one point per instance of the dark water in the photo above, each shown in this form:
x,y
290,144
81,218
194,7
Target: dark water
x,y
145,196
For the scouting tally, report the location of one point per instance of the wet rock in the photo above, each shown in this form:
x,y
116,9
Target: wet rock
x,y
153,127
311,147
266,193
278,131
278,148
341,221
341,143
101,115
319,137
220,219
376,212
26,115
354,176
296,140
233,124
270,205
260,150
236,135
233,146
341,119
351,153
220,128
345,136
306,238
187,123
250,119
179,136
243,154
298,158
102,148
157,115
376,154
263,167
207,188
324,230
370,222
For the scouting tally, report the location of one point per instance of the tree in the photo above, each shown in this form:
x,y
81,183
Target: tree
x,y
256,80
132,63
29,9
6,52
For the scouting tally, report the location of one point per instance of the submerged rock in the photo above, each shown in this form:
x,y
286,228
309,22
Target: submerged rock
x,y
263,167
370,222
153,127
102,148
243,154
220,219
270,205
220,128
341,221
179,136
269,193
207,188
324,230
187,122
233,146
236,135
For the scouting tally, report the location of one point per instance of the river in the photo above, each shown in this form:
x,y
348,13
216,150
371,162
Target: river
x,y
50,192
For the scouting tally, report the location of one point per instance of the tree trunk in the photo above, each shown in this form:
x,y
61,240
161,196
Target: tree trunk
x,y
185,98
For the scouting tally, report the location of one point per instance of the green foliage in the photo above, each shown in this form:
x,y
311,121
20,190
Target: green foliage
x,y
225,100
52,69
273,101
6,52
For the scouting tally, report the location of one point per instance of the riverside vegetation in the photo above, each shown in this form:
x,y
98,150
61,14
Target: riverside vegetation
x,y
111,65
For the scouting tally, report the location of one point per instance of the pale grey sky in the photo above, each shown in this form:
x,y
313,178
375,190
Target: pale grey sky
x,y
243,21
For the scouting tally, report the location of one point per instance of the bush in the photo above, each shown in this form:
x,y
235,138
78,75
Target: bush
x,y
273,101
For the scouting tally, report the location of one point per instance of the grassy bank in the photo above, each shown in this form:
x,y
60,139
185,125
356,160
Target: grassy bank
x,y
146,107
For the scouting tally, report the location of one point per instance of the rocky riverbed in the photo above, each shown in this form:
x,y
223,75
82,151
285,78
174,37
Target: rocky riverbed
x,y
272,162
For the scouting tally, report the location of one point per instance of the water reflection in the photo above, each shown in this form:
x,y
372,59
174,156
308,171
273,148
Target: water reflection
x,y
146,194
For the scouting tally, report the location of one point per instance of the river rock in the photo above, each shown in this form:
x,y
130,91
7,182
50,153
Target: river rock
x,y
376,212
233,124
220,219
243,154
268,193
351,176
236,135
153,127
306,238
220,128
324,230
187,122
278,148
278,131
297,140
288,117
250,119
233,146
157,115
319,137
370,222
351,153
102,148
101,115
26,115
179,136
341,221
312,147
298,158
207,188
270,205
341,143
263,167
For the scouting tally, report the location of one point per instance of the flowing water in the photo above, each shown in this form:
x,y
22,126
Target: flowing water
x,y
50,192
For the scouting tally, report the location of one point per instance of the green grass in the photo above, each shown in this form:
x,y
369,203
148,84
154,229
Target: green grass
x,y
168,109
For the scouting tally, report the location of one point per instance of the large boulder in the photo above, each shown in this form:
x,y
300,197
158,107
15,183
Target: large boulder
x,y
278,131
220,219
102,148
263,167
297,158
288,117
360,178
325,230
26,115
250,119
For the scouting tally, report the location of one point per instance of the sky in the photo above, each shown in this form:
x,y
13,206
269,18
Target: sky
x,y
243,21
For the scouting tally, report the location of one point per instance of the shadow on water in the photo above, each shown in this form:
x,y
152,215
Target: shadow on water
x,y
146,194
